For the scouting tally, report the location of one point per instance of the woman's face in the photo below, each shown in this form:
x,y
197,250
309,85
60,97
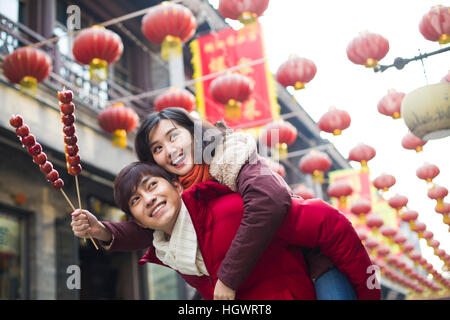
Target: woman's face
x,y
172,147
156,203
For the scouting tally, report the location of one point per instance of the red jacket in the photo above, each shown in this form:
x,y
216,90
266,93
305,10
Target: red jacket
x,y
281,272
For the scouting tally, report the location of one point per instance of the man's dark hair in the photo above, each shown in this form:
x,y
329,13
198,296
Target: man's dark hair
x,y
128,179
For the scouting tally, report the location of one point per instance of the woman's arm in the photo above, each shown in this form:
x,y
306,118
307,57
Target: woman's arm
x,y
266,198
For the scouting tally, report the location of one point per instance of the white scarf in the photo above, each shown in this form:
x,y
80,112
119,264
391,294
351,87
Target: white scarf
x,y
180,251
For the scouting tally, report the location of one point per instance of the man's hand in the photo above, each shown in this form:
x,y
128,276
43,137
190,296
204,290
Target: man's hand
x,y
222,292
85,223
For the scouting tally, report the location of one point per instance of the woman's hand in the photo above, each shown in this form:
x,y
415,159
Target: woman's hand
x,y
85,223
222,292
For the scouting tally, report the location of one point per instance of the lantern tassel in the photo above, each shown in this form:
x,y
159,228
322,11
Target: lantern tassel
x,y
233,110
98,70
119,138
171,48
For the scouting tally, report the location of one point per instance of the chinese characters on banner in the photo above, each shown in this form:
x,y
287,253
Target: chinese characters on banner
x,y
228,48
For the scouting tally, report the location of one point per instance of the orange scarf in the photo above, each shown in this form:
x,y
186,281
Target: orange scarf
x,y
199,173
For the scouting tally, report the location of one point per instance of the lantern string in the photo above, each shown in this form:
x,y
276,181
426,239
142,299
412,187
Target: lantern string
x,y
103,24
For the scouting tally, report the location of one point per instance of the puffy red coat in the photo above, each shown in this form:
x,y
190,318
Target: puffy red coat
x,y
281,272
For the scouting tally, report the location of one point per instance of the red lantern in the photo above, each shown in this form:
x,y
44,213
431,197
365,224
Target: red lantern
x,y
276,167
361,208
400,239
362,153
367,49
384,182
98,48
434,243
415,256
427,172
391,104
334,121
287,134
411,142
340,190
296,72
446,78
231,89
408,247
438,193
361,234
427,235
397,202
315,163
445,211
169,25
175,97
244,11
27,66
118,120
374,222
419,228
389,232
371,244
304,192
435,25
410,216
383,251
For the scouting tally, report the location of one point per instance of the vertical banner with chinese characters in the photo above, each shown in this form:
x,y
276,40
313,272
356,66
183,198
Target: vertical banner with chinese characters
x,y
228,48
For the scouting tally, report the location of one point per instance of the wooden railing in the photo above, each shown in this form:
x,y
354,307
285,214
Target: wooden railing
x,y
66,71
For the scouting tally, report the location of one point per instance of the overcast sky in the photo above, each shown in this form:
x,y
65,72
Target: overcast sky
x,y
321,31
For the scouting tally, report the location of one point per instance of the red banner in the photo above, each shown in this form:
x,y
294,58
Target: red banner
x,y
228,48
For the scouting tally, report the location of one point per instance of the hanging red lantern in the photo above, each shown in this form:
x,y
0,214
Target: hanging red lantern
x,y
245,11
169,25
374,222
27,66
435,25
367,49
383,251
389,232
175,97
446,78
315,163
231,89
438,193
427,172
287,134
411,142
276,167
118,120
400,240
296,72
434,244
98,48
361,208
445,211
419,227
334,121
410,216
428,236
362,153
371,244
391,104
415,257
304,192
340,190
397,202
384,182
408,247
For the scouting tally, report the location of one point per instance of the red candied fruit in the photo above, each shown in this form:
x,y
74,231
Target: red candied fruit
x,y
16,121
46,168
40,159
23,131
35,149
58,184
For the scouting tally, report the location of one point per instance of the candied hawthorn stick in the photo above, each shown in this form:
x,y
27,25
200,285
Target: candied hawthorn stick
x,y
39,157
73,160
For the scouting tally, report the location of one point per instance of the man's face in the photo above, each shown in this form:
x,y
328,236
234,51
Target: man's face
x,y
156,203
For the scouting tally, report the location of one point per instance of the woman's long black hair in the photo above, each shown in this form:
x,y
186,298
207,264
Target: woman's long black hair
x,y
180,117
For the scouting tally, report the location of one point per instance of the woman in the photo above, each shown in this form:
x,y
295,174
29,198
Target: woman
x,y
196,151
192,236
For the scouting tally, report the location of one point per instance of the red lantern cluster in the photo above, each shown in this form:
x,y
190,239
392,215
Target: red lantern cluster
x,y
244,11
287,134
391,104
315,163
367,49
231,90
27,66
411,142
334,121
435,25
362,153
175,97
296,72
118,120
98,48
169,24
